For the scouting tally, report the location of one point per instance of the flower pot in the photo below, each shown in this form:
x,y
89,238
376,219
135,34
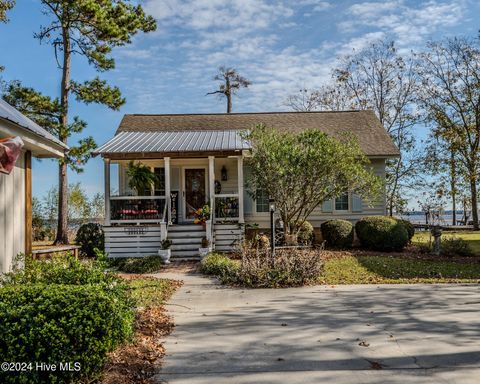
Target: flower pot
x,y
204,251
165,255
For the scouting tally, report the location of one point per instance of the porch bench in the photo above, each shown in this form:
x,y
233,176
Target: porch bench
x,y
36,253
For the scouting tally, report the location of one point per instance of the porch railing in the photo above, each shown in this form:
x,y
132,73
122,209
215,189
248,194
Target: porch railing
x,y
137,209
226,206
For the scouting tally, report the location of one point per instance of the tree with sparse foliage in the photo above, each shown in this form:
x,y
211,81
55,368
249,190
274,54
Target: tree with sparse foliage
x,y
302,170
376,78
379,78
90,29
231,83
331,97
450,94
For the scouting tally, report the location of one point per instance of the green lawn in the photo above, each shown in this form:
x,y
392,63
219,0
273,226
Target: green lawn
x,y
395,270
473,238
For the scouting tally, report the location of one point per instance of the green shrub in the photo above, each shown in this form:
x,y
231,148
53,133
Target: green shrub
x,y
337,233
409,227
146,264
455,246
381,233
219,265
59,324
90,236
305,235
60,270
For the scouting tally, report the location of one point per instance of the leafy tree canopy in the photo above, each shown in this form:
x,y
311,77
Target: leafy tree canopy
x,y
301,170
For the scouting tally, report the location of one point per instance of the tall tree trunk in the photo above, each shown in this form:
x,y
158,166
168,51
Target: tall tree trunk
x,y
473,191
62,228
453,185
228,93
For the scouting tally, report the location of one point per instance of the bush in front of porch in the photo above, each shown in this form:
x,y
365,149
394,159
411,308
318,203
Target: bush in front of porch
x,y
258,268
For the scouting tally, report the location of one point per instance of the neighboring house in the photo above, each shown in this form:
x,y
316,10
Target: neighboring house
x,y
199,158
16,187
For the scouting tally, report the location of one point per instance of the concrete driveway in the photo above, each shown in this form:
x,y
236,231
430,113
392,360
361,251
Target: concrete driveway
x,y
344,334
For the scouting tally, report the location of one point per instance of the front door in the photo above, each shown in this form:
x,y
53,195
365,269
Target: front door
x,y
195,192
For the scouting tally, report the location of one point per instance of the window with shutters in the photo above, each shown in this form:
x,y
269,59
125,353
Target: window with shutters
x,y
341,203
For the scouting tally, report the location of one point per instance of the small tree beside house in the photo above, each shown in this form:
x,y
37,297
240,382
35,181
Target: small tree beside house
x,y
302,170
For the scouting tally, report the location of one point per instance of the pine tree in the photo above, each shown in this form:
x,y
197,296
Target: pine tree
x,y
91,29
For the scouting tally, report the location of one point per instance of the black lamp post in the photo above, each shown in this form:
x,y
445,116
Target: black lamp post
x,y
271,203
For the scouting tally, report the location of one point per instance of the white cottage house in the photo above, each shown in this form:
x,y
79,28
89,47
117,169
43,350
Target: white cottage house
x,y
16,187
199,159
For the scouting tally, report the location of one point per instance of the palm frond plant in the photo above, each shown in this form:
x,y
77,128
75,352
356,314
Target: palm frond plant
x,y
140,177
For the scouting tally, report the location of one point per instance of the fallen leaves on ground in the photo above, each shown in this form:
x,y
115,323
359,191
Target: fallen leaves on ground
x,y
137,362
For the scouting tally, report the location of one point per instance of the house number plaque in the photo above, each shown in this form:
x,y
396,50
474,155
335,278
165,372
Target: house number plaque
x,y
136,230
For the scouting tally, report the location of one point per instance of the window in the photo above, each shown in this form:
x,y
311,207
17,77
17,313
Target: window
x,y
262,201
160,183
341,203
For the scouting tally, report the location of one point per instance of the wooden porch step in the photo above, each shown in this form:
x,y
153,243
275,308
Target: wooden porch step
x,y
185,235
184,254
185,228
185,247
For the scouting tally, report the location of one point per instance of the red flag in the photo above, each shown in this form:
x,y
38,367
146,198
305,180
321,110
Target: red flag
x,y
10,149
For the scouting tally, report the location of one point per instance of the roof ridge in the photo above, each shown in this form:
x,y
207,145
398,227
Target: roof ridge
x,y
247,113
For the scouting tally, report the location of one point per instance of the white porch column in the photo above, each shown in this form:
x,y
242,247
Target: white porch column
x,y
241,219
211,177
106,163
168,197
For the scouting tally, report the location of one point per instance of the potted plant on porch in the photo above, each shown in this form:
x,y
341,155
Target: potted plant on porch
x,y
141,178
165,252
202,215
205,249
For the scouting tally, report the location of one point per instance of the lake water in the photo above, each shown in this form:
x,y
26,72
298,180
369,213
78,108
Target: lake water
x,y
419,218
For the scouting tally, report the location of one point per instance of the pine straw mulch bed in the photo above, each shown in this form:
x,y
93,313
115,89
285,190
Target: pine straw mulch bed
x,y
136,363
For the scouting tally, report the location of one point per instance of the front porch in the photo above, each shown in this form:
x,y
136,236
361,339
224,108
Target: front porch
x,y
135,225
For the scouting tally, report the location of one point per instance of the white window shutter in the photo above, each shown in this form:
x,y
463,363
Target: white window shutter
x,y
327,206
357,203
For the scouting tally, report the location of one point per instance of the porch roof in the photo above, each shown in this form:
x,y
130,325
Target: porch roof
x,y
173,142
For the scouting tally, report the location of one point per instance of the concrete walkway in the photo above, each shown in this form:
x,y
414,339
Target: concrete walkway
x,y
345,334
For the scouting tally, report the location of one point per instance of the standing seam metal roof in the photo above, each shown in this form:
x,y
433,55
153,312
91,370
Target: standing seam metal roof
x,y
9,113
184,141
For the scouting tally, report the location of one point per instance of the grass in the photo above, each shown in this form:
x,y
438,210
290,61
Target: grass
x,y
471,237
150,291
397,270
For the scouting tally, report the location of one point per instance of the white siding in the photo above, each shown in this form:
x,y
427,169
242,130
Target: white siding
x,y
318,216
12,214
132,241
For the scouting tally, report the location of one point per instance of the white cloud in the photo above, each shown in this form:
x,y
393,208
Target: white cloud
x,y
407,24
272,43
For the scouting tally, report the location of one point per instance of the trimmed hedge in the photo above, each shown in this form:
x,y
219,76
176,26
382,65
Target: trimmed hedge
x,y
409,227
57,324
337,233
305,234
90,236
381,233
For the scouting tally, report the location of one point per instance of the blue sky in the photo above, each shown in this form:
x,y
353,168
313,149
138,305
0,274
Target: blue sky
x,y
281,46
